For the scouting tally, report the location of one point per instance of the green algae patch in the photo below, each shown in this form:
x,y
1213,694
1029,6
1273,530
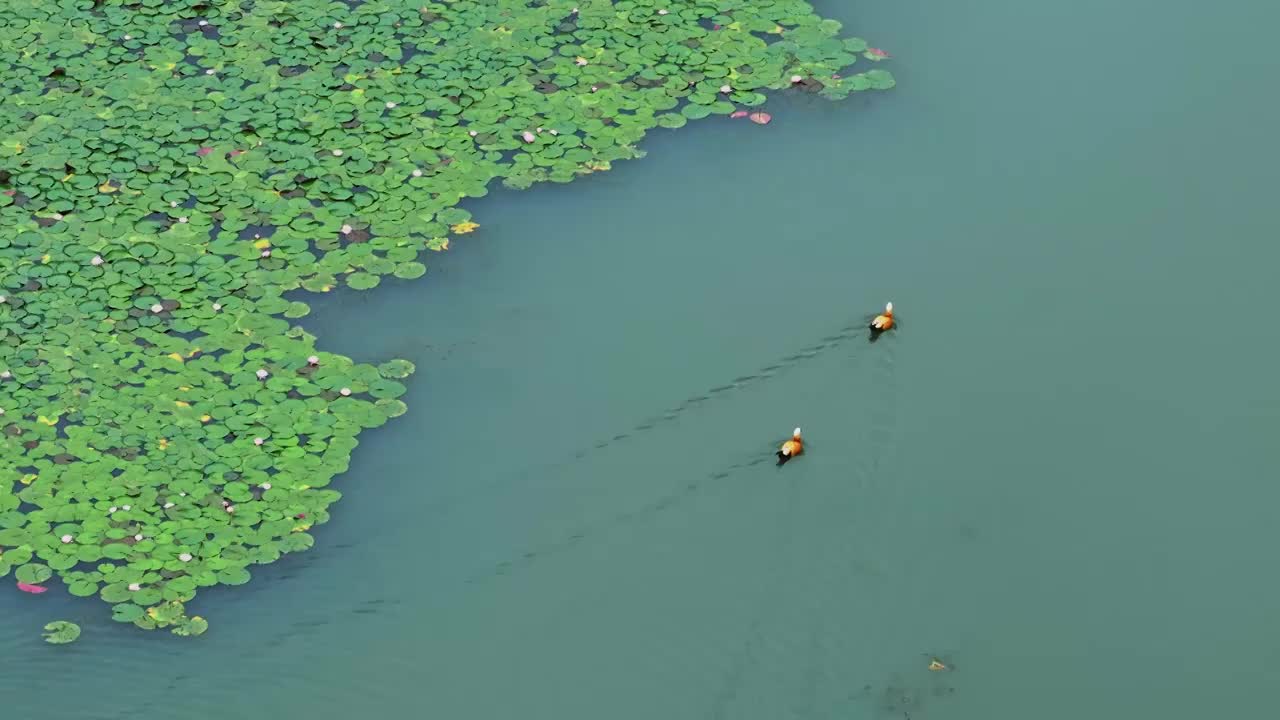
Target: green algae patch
x,y
170,171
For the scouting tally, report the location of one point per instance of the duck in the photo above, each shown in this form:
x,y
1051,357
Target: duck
x,y
790,448
882,322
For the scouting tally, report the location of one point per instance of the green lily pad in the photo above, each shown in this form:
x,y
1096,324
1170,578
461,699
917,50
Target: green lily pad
x,y
33,573
61,632
126,612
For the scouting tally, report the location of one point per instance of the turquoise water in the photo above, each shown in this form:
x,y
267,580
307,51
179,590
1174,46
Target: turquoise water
x,y
1057,476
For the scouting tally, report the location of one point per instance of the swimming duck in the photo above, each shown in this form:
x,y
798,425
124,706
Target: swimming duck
x,y
791,448
882,322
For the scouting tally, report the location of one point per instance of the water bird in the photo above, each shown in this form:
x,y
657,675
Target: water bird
x,y
790,448
882,322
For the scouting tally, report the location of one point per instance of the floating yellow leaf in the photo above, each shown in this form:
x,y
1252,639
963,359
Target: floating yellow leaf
x,y
28,478
206,418
106,188
68,177
463,228
193,353
180,403
44,259
262,244
302,528
164,443
176,356
48,421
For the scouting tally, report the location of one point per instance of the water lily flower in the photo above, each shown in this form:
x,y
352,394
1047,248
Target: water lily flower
x,y
528,136
738,114
416,172
662,12
580,61
313,360
796,78
182,219
231,508
344,392
258,441
113,509
262,374
157,308
390,105
345,229
128,37
726,89
6,375
337,153
337,26
217,307
202,23
266,253
185,557
66,539
134,587
182,494
553,131
210,71
168,505
3,299
265,486
877,53
173,203
97,260
138,537
126,507
205,150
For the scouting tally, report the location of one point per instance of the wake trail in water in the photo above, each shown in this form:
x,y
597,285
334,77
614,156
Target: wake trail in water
x,y
618,520
719,392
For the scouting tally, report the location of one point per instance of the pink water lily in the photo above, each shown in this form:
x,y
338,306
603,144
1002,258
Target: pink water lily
x,y
29,588
760,118
738,114
204,151
528,136
877,52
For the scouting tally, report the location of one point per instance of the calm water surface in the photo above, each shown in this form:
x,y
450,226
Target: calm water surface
x,y
1059,475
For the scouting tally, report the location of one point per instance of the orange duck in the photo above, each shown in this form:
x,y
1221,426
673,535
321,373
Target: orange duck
x,y
882,322
791,448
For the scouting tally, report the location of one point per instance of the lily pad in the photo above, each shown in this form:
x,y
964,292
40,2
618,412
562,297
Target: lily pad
x,y
61,632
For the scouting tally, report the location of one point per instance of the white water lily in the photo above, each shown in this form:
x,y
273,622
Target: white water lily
x,y
185,557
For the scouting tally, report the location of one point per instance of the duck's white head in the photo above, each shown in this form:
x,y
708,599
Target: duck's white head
x,y
888,307
795,433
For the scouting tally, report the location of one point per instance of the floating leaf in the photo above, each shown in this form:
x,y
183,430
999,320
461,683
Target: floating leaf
x,y
396,369
126,612
362,281
33,573
61,632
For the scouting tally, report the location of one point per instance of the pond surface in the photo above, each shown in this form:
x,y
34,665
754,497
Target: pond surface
x,y
1059,476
